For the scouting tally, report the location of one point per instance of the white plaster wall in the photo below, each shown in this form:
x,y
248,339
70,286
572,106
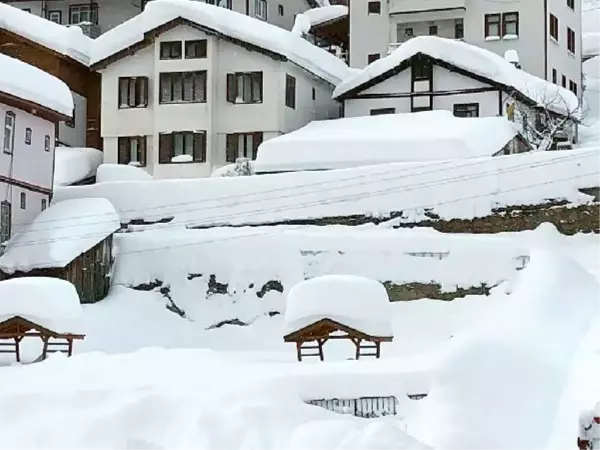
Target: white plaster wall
x,y
369,33
20,217
76,136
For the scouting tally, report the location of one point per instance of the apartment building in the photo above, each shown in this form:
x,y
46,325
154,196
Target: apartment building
x,y
546,34
193,94
98,16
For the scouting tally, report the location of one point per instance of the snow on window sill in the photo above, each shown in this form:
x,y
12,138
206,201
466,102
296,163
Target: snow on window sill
x,y
510,37
554,41
182,159
571,54
135,164
492,38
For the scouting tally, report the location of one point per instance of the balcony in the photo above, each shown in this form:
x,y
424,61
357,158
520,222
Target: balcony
x,y
429,9
90,29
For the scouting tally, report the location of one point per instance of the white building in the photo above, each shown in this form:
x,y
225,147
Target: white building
x,y
545,33
341,143
187,87
99,16
32,103
432,73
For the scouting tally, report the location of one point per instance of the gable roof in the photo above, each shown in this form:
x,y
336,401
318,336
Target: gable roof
x,y
67,41
470,61
341,143
20,82
254,34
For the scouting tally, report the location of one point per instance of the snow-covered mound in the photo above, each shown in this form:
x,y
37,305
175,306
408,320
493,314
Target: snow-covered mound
x,y
49,302
120,172
74,164
510,370
357,302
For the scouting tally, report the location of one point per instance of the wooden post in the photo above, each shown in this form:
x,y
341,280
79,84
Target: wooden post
x,y
70,351
377,349
45,348
299,350
320,344
17,348
357,343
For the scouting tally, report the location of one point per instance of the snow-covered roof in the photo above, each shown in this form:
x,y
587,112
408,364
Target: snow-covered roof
x,y
473,59
50,302
590,29
362,141
591,44
74,164
227,23
60,234
120,172
317,16
29,83
357,302
69,41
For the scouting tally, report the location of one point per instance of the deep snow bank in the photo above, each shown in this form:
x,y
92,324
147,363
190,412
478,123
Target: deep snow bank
x,y
500,384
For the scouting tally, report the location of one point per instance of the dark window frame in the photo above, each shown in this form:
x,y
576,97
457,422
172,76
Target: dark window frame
x,y
459,29
374,7
573,87
409,32
93,12
71,122
314,93
554,76
264,8
564,81
5,225
571,40
280,10
44,204
571,4
28,135
465,109
136,90
175,78
290,91
421,69
232,147
506,22
371,58
490,20
124,150
8,147
23,200
252,80
553,27
200,49
170,50
433,30
47,143
382,111
166,146
55,11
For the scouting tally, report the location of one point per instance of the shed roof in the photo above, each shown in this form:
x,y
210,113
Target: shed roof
x,y
60,234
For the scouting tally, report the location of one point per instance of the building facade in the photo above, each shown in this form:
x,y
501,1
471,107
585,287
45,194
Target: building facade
x,y
98,16
546,34
190,102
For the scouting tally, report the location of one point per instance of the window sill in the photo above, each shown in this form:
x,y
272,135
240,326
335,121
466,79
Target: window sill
x,y
182,162
554,41
7,153
195,57
510,37
246,103
133,107
571,54
492,38
171,59
130,164
182,102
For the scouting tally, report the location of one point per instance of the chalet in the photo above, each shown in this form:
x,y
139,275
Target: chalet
x,y
363,141
71,240
429,73
64,53
32,102
183,92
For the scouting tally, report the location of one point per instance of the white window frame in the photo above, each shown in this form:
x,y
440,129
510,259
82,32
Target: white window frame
x,y
77,10
260,9
57,16
10,120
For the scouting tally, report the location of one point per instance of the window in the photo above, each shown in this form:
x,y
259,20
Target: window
x,y
5,221
290,92
373,57
170,50
26,10
570,40
571,4
260,9
182,146
422,69
554,27
492,25
245,87
554,76
144,3
433,30
409,32
374,8
381,111
55,16
132,150
564,81
459,29
510,24
133,92
83,13
23,200
314,94
47,143
182,87
280,9
242,145
28,136
195,49
466,110
71,122
44,204
573,87
9,132
222,3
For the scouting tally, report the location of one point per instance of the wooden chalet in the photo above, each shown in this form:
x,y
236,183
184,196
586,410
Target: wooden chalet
x,y
75,74
14,329
311,339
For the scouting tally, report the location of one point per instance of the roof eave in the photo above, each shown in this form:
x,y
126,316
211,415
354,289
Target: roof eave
x,y
33,108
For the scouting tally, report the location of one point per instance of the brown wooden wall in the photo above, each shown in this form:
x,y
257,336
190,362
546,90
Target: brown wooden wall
x,y
78,77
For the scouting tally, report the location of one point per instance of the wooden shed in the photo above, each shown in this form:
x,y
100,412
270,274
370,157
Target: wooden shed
x,y
71,240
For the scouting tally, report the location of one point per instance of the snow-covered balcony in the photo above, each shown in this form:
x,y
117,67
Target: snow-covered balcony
x,y
428,9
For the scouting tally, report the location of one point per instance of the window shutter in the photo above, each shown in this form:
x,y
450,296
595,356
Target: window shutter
x,y
257,139
165,148
200,147
231,150
142,150
257,82
123,150
142,91
231,87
